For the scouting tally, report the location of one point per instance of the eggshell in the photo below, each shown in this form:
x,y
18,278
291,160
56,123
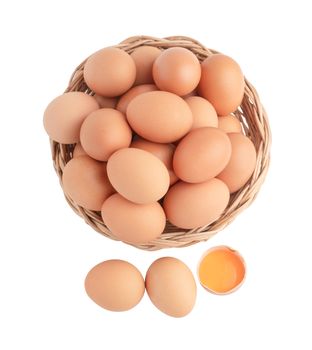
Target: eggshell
x,y
242,162
203,112
222,83
115,285
171,286
138,175
132,222
79,151
177,70
163,151
159,116
109,72
192,93
201,155
144,57
193,205
64,115
106,102
85,181
229,124
221,270
131,94
103,132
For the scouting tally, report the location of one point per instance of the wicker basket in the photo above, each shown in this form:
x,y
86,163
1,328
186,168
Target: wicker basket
x,y
254,123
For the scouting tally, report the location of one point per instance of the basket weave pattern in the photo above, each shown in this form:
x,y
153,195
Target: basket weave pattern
x,y
254,123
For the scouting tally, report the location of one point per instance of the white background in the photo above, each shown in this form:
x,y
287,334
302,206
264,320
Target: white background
x,y
46,250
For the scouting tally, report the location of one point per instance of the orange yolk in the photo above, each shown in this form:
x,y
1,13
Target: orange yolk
x,y
221,270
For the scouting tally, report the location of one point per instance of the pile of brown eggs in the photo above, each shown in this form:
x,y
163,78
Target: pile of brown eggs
x,y
158,140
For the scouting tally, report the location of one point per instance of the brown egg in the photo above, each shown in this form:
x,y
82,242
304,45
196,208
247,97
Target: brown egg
x,y
222,83
85,181
132,222
138,175
109,72
163,151
229,124
203,112
106,102
159,116
103,132
193,205
115,285
242,162
192,93
201,155
64,115
79,151
171,286
131,94
144,57
177,70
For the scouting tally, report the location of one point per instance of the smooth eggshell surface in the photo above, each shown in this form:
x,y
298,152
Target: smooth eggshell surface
x,y
115,285
163,151
159,116
229,124
177,70
222,83
85,181
138,175
193,205
109,72
171,286
201,155
203,112
65,114
131,94
132,222
106,102
144,57
242,162
103,132
79,151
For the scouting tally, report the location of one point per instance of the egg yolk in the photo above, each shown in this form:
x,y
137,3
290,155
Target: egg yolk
x,y
221,270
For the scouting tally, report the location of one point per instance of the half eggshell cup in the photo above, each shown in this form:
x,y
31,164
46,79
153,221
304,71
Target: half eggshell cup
x,y
221,270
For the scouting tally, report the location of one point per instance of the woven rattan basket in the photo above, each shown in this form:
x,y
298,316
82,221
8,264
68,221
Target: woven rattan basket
x,y
254,124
